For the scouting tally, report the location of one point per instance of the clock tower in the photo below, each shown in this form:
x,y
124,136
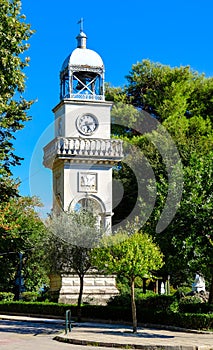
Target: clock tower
x,y
82,154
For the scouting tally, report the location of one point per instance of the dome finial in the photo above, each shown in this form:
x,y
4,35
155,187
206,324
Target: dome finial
x,y
81,21
81,38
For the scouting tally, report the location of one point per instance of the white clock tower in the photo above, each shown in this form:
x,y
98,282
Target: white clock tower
x,y
82,154
81,157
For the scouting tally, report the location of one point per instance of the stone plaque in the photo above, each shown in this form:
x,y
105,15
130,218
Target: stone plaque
x,y
87,182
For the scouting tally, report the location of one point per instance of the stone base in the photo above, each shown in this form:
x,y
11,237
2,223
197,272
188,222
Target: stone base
x,y
98,289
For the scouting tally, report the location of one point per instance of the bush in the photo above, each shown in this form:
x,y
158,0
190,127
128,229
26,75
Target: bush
x,y
120,300
124,299
29,296
157,302
34,308
190,320
6,296
194,304
181,291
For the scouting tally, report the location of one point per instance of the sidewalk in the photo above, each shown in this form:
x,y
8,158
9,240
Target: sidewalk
x,y
121,336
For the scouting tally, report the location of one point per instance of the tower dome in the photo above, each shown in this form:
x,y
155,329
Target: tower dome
x,y
82,73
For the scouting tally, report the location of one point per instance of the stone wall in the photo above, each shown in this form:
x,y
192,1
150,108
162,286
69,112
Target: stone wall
x,y
98,289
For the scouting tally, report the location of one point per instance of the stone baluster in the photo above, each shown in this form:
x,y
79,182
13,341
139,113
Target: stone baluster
x,y
69,150
110,148
74,148
116,148
103,147
113,148
65,142
97,147
62,145
77,146
88,147
93,147
81,147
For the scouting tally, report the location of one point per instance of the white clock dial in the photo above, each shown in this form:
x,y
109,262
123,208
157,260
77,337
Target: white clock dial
x,y
87,124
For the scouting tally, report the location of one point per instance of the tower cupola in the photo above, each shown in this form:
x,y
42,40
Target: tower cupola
x,y
82,73
81,40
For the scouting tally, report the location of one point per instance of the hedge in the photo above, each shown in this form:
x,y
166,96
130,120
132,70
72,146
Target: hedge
x,y
112,313
200,308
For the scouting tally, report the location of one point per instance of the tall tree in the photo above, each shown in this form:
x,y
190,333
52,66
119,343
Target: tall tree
x,y
191,230
129,256
21,231
178,100
14,34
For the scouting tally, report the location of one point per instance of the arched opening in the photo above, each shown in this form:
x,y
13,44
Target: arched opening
x,y
92,204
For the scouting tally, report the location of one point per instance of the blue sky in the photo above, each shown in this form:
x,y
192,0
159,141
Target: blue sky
x,y
123,33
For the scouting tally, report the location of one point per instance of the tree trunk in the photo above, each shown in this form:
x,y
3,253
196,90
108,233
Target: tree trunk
x,y
134,314
80,298
210,301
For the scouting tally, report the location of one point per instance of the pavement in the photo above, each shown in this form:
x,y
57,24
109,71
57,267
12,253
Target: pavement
x,y
121,335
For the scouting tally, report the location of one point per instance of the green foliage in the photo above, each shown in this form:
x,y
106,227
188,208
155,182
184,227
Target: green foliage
x,y
14,34
35,308
70,241
21,231
183,290
69,244
194,305
181,100
6,296
163,91
29,296
129,255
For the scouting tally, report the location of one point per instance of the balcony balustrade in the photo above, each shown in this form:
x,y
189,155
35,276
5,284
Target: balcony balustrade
x,y
69,147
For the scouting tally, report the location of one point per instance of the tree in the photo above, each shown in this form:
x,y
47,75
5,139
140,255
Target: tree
x,y
129,256
72,236
14,34
180,101
191,230
163,91
21,231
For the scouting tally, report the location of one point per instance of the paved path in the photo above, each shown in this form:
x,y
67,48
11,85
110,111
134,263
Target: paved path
x,y
34,334
145,338
120,336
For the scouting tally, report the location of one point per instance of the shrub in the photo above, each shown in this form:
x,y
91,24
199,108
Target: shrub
x,y
181,292
6,296
120,300
29,296
194,304
157,302
124,299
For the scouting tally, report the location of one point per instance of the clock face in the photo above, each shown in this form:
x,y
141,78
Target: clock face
x,y
87,124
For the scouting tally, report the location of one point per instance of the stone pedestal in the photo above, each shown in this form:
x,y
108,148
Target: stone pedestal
x,y
55,286
98,289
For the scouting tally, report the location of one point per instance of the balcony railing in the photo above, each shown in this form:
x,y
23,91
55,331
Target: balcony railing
x,y
69,147
87,97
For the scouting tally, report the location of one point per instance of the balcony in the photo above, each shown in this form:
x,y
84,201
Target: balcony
x,y
106,150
